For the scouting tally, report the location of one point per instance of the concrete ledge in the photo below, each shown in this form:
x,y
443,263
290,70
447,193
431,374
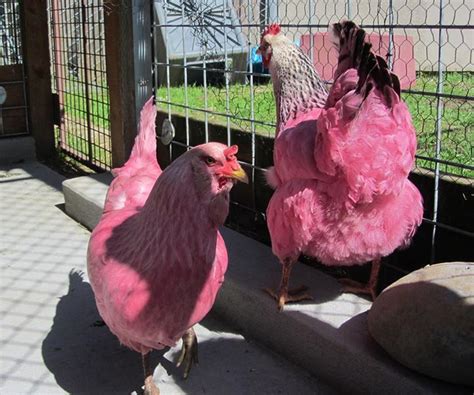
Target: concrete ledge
x,y
84,197
327,336
17,149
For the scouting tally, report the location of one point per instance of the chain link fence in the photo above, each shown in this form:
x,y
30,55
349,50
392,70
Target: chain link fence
x,y
208,93
80,80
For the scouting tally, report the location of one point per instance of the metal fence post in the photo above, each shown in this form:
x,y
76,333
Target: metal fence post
x,y
438,127
142,53
128,57
391,47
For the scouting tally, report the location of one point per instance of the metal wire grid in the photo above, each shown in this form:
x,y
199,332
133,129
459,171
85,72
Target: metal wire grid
x,y
10,49
439,94
79,68
11,55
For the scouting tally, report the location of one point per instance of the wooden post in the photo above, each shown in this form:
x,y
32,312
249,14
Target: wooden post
x,y
127,78
38,75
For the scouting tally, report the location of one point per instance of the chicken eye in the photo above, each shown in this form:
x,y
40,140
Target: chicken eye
x,y
210,160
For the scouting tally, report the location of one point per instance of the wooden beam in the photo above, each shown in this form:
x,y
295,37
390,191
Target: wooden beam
x,y
38,75
125,32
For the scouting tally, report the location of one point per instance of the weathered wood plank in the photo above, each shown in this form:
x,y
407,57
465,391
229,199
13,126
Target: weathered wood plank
x,y
37,68
14,122
12,72
128,57
15,95
119,52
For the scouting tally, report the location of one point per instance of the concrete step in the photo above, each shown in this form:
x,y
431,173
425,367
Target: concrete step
x,y
328,336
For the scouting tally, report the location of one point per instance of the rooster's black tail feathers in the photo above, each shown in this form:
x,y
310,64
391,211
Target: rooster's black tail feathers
x,y
355,52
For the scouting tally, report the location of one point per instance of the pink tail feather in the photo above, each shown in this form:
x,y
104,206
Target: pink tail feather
x,y
144,149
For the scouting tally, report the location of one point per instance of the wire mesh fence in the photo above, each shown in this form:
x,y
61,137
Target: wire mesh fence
x,y
208,92
427,46
13,101
10,49
80,83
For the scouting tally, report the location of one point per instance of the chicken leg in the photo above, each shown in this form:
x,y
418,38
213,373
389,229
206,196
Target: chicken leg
x,y
189,351
359,288
284,294
150,386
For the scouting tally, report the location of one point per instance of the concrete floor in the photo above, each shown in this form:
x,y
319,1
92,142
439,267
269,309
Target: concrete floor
x,y
49,343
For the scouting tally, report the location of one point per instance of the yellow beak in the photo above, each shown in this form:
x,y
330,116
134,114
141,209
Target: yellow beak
x,y
240,175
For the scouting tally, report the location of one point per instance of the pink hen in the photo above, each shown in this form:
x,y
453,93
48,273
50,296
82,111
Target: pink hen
x,y
347,201
156,260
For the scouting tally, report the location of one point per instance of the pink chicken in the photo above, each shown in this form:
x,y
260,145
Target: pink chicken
x,y
345,199
156,260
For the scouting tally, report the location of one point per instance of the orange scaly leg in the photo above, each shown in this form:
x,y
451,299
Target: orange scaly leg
x,y
284,294
358,288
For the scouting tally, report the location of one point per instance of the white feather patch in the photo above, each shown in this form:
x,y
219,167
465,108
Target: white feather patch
x,y
272,178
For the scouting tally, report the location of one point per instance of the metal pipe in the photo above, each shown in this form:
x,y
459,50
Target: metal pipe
x,y
185,72
204,71
167,58
252,112
311,37
306,25
86,79
226,75
391,54
439,128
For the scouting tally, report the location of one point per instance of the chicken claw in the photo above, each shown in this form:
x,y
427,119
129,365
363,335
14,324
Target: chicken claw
x,y
356,287
292,295
189,351
150,387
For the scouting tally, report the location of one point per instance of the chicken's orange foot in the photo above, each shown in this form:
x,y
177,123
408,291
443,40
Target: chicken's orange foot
x,y
189,352
290,296
150,386
356,287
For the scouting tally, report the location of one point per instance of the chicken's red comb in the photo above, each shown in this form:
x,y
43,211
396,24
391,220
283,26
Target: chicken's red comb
x,y
231,151
274,28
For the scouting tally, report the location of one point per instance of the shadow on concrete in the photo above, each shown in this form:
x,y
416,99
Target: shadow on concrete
x,y
85,357
31,170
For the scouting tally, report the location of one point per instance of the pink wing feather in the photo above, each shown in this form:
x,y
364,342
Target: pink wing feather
x,y
134,180
366,140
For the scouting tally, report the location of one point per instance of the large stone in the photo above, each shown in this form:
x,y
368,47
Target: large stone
x,y
425,320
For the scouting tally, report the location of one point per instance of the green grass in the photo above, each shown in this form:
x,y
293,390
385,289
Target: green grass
x,y
457,117
76,118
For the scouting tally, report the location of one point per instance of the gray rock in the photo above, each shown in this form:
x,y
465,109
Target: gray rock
x,y
425,321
